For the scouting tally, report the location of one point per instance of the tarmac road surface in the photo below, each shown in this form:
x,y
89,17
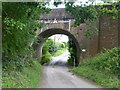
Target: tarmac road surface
x,y
57,75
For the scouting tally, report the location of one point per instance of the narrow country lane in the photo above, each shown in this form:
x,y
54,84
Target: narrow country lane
x,y
57,75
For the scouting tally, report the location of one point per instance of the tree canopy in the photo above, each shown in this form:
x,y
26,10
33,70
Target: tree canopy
x,y
19,22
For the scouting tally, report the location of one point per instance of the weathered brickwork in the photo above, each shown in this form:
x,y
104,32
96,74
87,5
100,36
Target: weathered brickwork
x,y
107,37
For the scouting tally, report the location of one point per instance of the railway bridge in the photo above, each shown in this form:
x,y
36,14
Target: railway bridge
x,y
59,22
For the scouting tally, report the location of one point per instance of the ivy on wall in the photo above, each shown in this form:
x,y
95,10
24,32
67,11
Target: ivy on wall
x,y
88,14
113,10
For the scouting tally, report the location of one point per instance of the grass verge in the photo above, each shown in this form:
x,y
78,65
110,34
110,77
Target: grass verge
x,y
29,77
103,69
101,78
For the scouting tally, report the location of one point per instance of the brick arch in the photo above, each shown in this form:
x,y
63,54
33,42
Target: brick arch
x,y
52,31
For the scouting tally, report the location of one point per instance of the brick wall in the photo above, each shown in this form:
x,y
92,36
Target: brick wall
x,y
107,37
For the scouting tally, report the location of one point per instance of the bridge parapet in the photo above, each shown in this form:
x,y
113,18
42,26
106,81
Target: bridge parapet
x,y
63,24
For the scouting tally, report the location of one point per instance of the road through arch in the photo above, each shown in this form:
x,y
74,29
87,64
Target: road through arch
x,y
49,32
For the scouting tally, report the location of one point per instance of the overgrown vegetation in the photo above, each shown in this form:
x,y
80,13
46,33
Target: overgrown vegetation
x,y
72,49
59,52
88,14
19,23
18,20
113,9
18,31
29,77
47,50
60,48
51,49
104,69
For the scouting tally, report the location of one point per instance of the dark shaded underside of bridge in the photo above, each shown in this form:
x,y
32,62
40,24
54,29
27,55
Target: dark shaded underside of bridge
x,y
46,34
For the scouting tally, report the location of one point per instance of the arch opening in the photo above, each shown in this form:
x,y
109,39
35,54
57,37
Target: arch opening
x,y
49,32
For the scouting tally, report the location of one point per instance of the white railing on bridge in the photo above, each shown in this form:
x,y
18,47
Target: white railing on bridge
x,y
56,22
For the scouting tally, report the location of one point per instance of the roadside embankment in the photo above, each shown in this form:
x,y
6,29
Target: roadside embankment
x,y
28,77
104,69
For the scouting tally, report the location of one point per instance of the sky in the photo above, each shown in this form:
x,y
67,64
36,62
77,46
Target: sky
x,y
63,6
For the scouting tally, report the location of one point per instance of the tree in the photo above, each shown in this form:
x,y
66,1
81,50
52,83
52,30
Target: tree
x,y
18,25
47,50
72,49
48,46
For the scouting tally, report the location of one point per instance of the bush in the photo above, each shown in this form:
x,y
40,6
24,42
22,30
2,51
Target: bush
x,y
101,78
108,61
47,51
104,69
46,58
70,61
59,52
72,49
48,46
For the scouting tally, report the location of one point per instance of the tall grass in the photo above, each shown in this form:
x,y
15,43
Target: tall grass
x,y
29,77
